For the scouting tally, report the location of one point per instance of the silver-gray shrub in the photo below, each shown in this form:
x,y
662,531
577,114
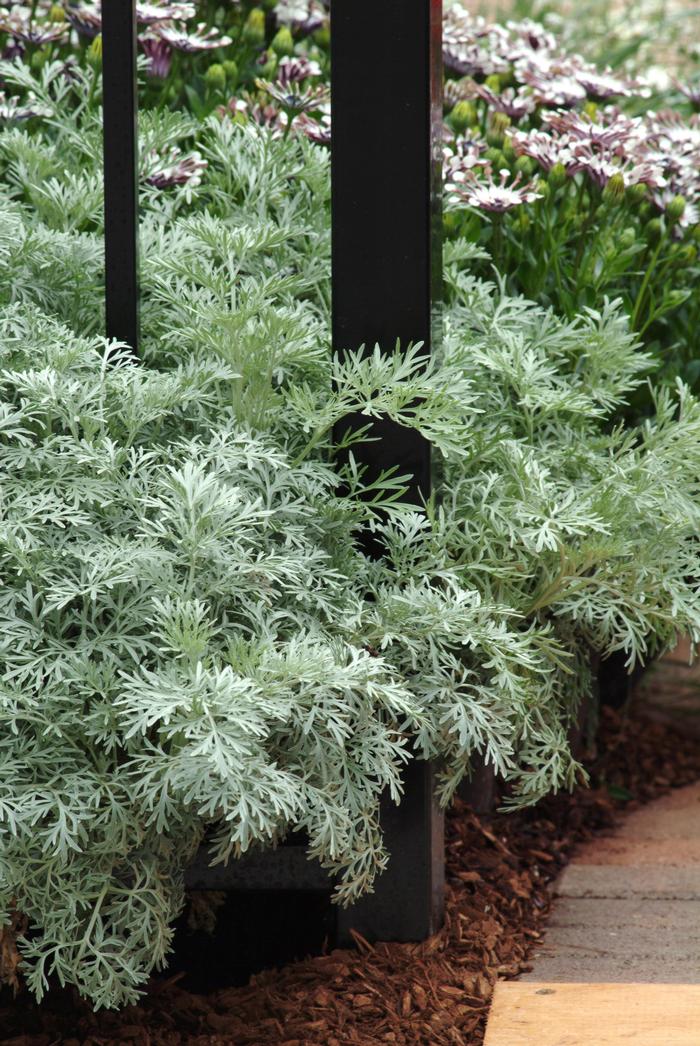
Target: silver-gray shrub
x,y
192,642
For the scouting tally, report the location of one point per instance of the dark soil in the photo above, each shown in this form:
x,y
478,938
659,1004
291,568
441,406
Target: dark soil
x,y
498,897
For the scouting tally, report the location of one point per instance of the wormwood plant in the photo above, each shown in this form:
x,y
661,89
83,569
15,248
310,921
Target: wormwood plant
x,y
193,644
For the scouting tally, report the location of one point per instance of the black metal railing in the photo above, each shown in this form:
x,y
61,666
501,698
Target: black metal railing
x,y
121,171
386,276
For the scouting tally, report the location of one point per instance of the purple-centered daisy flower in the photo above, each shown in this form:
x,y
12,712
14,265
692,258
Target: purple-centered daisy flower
x,y
460,26
292,91
473,60
166,172
611,131
546,149
493,196
460,158
304,16
20,25
691,215
202,39
158,53
601,168
13,49
85,18
605,84
267,116
457,91
14,109
150,13
553,83
462,39
533,35
691,92
296,70
671,132
515,104
318,131
295,98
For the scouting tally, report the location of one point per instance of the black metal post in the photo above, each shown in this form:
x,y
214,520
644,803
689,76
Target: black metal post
x,y
387,146
120,170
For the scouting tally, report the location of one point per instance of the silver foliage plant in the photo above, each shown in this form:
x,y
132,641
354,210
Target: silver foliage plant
x,y
192,643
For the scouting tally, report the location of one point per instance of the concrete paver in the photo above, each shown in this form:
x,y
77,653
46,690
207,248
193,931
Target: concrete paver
x,y
628,906
651,882
612,915
620,959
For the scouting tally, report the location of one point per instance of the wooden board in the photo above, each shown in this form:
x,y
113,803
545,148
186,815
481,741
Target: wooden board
x,y
531,1014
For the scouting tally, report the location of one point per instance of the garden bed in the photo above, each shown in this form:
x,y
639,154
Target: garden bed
x,y
499,872
198,646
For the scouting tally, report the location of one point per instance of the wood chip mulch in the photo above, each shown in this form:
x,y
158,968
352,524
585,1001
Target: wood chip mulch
x,y
498,897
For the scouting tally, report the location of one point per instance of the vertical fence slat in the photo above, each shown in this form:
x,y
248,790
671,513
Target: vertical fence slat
x,y
120,170
387,119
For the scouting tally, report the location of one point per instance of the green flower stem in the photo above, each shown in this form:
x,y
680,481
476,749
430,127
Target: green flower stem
x,y
554,248
498,252
650,269
582,243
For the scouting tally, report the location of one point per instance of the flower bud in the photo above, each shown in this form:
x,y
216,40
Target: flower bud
x,y
637,193
254,27
653,231
675,209
628,238
463,116
543,188
57,13
557,176
94,51
38,60
231,70
500,123
525,166
283,42
497,130
493,82
322,37
509,152
496,158
686,254
240,116
677,297
614,191
269,65
590,109
215,77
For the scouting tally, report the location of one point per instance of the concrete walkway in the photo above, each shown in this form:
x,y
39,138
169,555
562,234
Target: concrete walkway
x,y
628,907
620,959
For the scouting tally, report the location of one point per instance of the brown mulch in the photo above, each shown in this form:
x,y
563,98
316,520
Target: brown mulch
x,y
498,898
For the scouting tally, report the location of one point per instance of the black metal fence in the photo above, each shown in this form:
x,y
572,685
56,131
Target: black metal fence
x,y
386,277
121,170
